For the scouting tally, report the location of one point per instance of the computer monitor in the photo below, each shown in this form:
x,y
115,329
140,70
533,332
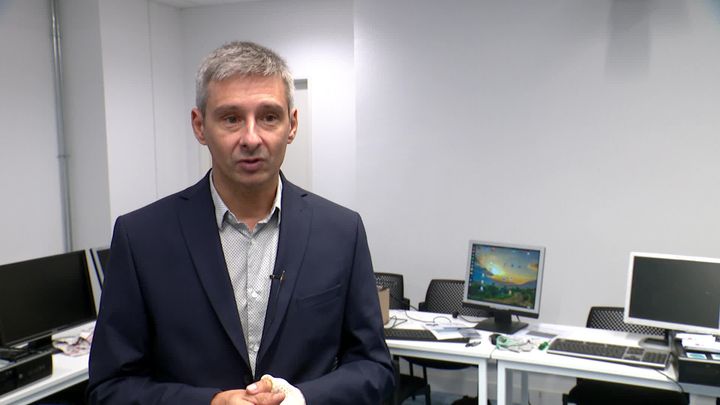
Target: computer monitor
x,y
100,257
680,293
506,279
40,297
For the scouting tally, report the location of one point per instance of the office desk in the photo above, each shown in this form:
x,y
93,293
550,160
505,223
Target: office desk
x,y
541,362
455,352
67,371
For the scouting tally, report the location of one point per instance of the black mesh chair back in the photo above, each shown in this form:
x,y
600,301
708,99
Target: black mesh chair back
x,y
611,318
590,392
406,386
395,283
445,296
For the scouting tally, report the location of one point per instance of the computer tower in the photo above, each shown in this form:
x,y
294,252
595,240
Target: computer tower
x,y
698,367
22,372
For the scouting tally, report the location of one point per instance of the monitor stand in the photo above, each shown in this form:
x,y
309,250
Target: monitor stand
x,y
657,342
43,344
501,322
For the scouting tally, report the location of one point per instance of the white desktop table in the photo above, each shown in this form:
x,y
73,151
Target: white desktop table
x,y
455,352
537,361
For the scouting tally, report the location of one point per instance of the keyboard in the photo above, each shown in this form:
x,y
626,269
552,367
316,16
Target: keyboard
x,y
418,334
636,356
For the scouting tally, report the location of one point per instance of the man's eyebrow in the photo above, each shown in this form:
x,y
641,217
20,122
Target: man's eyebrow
x,y
223,109
270,105
234,108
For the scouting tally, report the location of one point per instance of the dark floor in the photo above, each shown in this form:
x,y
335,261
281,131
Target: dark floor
x,y
438,398
74,395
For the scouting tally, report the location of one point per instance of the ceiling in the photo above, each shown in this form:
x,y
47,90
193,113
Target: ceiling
x,y
198,3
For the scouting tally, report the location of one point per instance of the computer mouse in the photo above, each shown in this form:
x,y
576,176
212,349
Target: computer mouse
x,y
493,338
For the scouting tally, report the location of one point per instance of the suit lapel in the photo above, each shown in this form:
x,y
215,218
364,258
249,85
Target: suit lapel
x,y
199,228
294,234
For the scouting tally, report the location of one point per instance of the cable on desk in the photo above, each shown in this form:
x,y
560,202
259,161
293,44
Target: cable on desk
x,y
457,314
395,321
434,320
490,356
686,400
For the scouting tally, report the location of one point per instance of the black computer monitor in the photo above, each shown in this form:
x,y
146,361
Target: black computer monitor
x,y
100,257
506,279
679,293
40,297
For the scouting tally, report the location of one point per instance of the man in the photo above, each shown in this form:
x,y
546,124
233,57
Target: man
x,y
244,288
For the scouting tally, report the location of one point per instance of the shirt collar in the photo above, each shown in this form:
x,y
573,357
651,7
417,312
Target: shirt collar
x,y
221,208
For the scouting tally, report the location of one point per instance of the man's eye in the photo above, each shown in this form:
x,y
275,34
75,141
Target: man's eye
x,y
231,119
271,118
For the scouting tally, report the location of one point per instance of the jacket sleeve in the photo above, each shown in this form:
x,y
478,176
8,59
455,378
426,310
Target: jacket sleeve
x,y
121,348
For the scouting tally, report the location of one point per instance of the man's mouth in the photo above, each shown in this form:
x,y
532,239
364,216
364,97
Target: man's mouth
x,y
250,165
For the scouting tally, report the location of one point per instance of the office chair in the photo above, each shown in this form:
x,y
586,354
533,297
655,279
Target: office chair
x,y
395,283
444,296
591,392
406,386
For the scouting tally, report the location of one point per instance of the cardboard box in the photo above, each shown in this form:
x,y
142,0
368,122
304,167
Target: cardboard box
x,y
384,295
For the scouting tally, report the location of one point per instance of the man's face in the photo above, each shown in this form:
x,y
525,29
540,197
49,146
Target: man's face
x,y
246,127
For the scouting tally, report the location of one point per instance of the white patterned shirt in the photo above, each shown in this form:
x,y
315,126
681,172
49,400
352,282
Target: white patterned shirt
x,y
250,259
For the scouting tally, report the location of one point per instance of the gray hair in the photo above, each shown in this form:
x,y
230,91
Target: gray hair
x,y
241,58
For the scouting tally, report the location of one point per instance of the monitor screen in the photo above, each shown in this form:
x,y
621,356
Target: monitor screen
x,y
680,293
505,278
101,256
41,296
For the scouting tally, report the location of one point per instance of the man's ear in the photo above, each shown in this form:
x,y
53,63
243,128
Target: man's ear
x,y
196,120
293,125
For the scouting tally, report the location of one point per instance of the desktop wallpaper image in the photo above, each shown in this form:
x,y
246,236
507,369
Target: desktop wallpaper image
x,y
504,275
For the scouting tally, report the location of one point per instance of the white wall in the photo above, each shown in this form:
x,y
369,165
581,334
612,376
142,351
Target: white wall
x,y
125,115
127,72
84,123
316,39
30,209
588,127
176,150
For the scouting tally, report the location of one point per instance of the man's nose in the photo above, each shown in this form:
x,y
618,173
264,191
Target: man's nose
x,y
249,137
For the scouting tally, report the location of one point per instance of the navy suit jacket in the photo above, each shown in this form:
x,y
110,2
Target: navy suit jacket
x,y
168,331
